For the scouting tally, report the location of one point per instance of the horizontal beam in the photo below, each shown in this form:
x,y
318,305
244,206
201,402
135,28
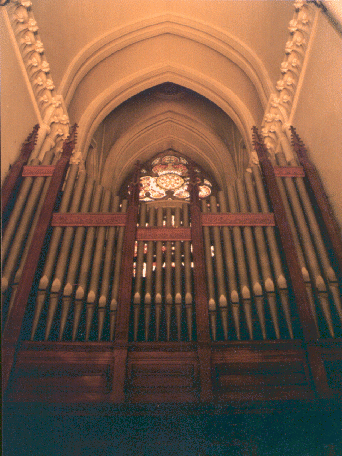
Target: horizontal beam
x,y
163,234
38,171
238,219
88,219
289,171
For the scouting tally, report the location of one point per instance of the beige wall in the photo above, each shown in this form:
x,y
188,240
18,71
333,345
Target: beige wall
x,y
318,117
17,112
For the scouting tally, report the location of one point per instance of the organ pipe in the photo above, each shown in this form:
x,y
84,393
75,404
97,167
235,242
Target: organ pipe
x,y
178,275
309,250
107,267
149,275
85,264
210,274
187,273
53,248
63,256
219,270
241,264
75,256
230,268
139,273
168,277
158,275
96,267
259,191
13,221
116,276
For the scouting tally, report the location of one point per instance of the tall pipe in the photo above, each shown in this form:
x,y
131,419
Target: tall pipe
x,y
75,256
178,275
230,268
96,266
168,277
139,274
253,193
187,273
18,209
85,264
158,275
241,264
149,275
63,255
210,274
116,276
308,247
53,248
218,262
107,268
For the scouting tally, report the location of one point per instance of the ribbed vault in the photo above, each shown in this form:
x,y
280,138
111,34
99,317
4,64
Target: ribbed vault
x,y
167,117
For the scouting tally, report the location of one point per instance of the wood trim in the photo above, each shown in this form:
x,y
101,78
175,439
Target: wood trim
x,y
289,171
163,234
124,296
87,219
302,301
12,329
321,199
238,219
201,296
16,169
38,171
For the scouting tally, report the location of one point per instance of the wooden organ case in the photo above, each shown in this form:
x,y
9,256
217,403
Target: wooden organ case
x,y
234,298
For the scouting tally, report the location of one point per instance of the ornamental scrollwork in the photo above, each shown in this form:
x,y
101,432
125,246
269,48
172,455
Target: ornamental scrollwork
x,y
51,106
279,108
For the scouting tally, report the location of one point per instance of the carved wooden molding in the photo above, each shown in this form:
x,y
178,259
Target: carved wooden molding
x,y
280,104
50,105
238,219
88,219
289,171
164,234
41,171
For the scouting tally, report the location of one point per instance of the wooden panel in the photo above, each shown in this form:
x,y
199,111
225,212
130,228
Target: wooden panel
x,y
95,219
41,171
238,219
289,171
163,234
162,377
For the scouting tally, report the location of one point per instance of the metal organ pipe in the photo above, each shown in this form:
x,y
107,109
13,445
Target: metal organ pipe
x,y
218,260
210,274
96,266
309,250
107,267
13,221
53,249
63,255
85,264
187,273
139,273
116,277
149,276
178,275
75,256
230,268
270,237
159,274
241,264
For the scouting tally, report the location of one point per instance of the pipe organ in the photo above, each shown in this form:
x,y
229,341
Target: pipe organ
x,y
163,299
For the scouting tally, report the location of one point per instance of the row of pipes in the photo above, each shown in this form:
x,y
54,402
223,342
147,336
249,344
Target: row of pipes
x,y
249,296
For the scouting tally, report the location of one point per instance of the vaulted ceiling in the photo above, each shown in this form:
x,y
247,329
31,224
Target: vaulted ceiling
x,y
108,60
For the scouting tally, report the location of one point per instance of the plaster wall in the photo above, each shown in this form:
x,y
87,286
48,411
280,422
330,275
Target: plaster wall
x,y
318,117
